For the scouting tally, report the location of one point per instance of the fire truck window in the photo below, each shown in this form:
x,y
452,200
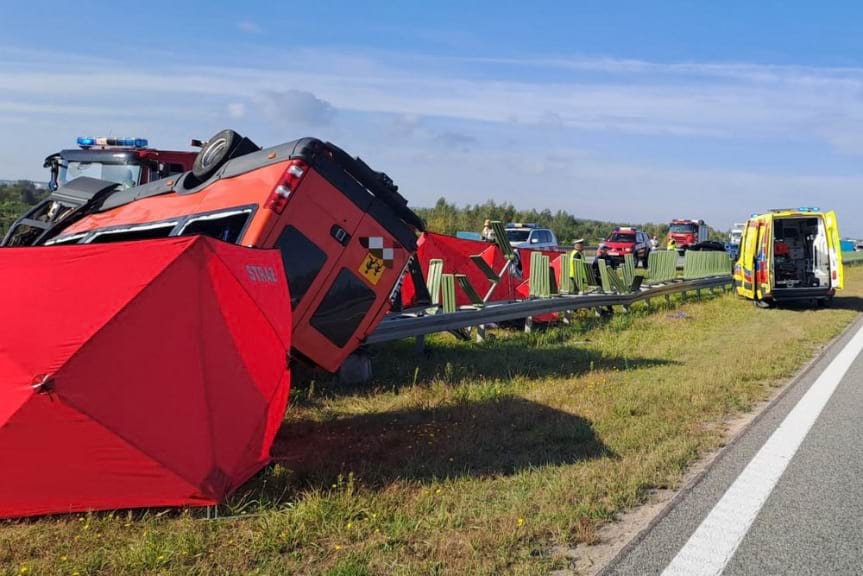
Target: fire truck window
x,y
302,260
23,235
343,308
224,228
127,175
139,234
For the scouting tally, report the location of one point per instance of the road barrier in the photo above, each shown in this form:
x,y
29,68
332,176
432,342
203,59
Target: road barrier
x,y
705,264
420,323
661,266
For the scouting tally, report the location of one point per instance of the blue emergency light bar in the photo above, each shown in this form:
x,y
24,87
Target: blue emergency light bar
x,y
87,142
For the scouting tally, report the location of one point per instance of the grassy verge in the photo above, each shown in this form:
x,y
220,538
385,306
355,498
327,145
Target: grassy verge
x,y
852,257
474,459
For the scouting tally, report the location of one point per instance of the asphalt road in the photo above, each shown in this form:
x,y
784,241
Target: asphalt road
x,y
809,517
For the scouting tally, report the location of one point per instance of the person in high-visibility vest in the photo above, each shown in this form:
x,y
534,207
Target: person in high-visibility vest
x,y
672,245
576,255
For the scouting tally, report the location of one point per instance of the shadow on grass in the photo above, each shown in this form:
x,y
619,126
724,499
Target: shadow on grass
x,y
493,437
854,303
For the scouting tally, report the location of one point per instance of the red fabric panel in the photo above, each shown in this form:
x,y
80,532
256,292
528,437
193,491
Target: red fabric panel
x,y
186,384
55,298
55,460
456,253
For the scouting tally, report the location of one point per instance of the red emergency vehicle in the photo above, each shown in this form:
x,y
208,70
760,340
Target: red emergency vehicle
x,y
627,240
684,233
126,161
344,232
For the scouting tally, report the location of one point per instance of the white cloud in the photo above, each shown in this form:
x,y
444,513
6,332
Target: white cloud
x,y
494,126
249,27
632,97
295,107
237,110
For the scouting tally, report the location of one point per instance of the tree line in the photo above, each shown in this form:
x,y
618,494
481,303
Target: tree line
x,y
15,199
447,218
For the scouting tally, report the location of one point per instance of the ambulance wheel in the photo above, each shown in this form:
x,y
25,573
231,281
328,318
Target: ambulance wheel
x,y
214,154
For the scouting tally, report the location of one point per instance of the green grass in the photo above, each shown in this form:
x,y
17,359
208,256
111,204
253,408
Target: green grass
x,y
473,459
852,257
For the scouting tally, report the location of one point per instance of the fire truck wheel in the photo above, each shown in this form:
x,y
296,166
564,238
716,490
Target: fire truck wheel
x,y
214,153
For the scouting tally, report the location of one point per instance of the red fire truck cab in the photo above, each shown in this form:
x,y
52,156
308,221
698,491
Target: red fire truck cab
x,y
685,233
126,161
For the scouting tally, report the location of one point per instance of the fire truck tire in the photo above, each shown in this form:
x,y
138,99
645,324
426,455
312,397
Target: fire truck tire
x,y
214,154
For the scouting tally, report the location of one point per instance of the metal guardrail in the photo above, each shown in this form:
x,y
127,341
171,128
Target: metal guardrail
x,y
406,324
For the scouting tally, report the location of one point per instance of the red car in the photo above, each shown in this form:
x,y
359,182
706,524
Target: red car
x,y
625,241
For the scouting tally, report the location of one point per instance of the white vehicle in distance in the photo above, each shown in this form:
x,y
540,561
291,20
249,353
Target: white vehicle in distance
x,y
530,236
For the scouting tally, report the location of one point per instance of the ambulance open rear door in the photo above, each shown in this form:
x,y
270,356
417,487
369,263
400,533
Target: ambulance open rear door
x,y
837,273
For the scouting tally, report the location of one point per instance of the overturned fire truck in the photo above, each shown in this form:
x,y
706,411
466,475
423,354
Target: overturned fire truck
x,y
344,232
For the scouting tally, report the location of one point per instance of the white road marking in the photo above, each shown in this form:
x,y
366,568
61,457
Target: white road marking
x,y
715,541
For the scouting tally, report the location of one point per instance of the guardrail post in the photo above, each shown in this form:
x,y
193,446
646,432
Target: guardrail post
x,y
528,324
420,344
480,333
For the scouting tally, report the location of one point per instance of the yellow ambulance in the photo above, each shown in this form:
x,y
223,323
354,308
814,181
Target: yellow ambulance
x,y
789,255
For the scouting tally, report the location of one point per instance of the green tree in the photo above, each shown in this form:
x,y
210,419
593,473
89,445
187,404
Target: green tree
x,y
15,199
448,218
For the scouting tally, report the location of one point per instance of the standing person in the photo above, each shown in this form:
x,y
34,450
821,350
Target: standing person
x,y
487,231
654,243
672,245
602,253
576,255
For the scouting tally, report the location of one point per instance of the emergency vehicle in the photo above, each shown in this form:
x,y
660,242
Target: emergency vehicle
x,y
345,234
790,254
626,240
686,232
126,161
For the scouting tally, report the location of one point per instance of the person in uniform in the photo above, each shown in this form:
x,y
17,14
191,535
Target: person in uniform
x,y
487,231
576,255
602,253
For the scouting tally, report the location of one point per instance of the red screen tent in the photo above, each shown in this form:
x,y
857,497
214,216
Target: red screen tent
x,y
138,374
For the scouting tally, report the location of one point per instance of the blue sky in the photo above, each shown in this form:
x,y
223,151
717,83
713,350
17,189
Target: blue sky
x,y
631,111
